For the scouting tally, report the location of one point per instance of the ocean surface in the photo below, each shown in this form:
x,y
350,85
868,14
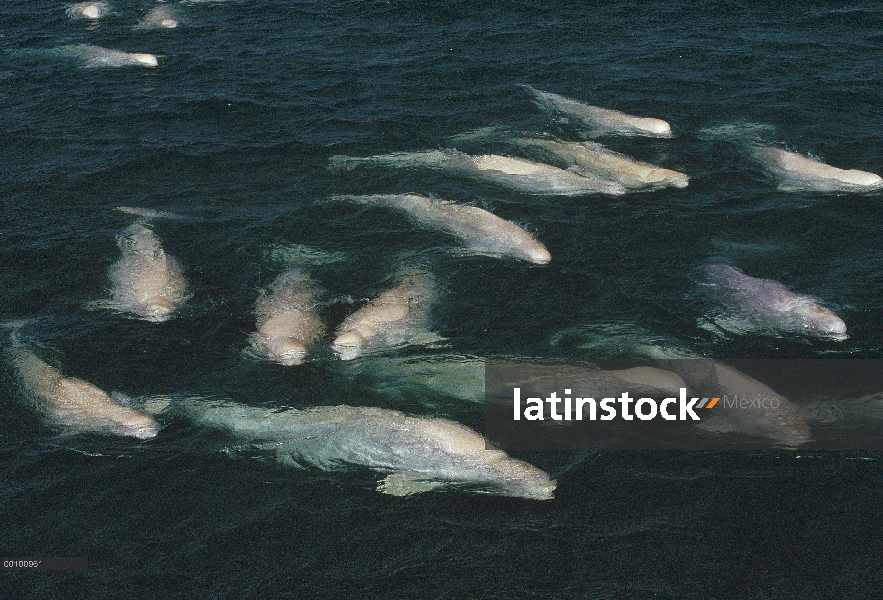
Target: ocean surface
x,y
232,132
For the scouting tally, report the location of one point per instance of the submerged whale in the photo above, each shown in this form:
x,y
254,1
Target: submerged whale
x,y
159,17
73,403
88,10
584,158
396,318
145,281
525,176
796,172
765,304
780,420
415,454
479,229
97,57
287,321
462,377
599,120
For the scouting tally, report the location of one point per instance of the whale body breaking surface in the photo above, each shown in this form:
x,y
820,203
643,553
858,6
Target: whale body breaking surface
x,y
287,320
73,403
527,176
600,120
765,304
396,318
415,454
796,172
479,229
145,282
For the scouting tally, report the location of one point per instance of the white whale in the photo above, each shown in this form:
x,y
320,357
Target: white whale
x,y
396,318
162,16
97,57
591,159
584,158
784,423
415,454
463,378
73,403
145,282
87,10
765,304
796,172
600,120
479,229
287,321
792,171
426,376
525,176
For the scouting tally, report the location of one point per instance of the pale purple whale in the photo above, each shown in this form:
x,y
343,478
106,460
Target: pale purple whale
x,y
754,303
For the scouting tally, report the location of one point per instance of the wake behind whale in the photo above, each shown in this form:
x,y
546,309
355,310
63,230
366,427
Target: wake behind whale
x,y
415,454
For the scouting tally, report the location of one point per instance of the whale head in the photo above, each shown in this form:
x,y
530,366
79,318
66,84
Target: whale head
x,y
666,177
516,478
348,344
148,60
168,23
138,426
91,11
536,253
861,178
822,321
654,126
158,309
287,351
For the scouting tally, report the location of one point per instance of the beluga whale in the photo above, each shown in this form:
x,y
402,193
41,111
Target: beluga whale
x,y
796,172
522,175
97,57
414,454
588,159
398,317
161,16
777,419
480,230
762,304
791,171
72,403
288,323
146,282
599,120
87,10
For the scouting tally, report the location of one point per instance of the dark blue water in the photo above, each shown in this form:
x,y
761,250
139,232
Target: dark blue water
x,y
232,132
